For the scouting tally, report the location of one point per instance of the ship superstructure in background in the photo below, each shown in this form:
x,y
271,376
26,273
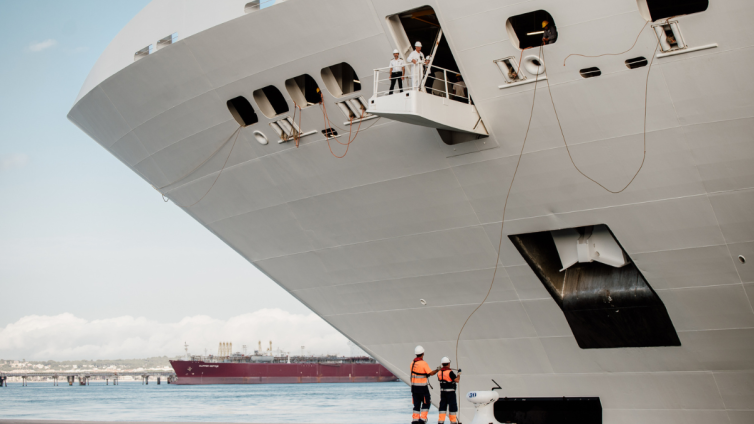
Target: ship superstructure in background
x,y
635,307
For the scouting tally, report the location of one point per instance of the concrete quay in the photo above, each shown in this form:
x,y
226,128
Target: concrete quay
x,y
85,377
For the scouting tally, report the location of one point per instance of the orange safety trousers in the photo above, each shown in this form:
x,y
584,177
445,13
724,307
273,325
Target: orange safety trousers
x,y
421,398
448,401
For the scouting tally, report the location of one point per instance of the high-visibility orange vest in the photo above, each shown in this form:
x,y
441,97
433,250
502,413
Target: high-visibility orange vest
x,y
419,372
446,380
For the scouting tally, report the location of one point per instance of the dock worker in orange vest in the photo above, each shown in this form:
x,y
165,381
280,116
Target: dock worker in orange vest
x,y
448,380
420,373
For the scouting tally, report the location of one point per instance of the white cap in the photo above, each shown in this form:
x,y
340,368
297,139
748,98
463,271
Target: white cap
x,y
444,360
396,51
419,350
418,44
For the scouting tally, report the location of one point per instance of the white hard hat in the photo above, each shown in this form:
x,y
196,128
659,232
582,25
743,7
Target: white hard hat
x,y
418,44
396,51
444,360
419,350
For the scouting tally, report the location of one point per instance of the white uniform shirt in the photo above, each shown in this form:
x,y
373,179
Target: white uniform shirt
x,y
416,70
459,88
419,56
396,65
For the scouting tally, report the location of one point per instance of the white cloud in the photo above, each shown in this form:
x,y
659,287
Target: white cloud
x,y
46,44
14,161
67,337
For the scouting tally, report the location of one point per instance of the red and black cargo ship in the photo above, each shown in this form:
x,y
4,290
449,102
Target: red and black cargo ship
x,y
241,369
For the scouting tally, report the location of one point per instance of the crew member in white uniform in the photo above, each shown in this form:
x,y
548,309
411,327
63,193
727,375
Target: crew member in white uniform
x,y
397,71
416,62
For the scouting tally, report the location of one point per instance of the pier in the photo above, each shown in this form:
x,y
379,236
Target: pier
x,y
83,378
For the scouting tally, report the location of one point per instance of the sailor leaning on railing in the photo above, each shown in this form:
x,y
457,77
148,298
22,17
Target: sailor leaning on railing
x,y
416,62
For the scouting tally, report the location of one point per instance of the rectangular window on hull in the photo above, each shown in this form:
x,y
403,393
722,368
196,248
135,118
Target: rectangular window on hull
x,y
242,112
532,29
251,6
340,79
654,10
604,297
270,101
164,42
141,54
303,90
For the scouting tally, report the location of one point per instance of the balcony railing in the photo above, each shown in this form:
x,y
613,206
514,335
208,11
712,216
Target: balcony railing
x,y
438,77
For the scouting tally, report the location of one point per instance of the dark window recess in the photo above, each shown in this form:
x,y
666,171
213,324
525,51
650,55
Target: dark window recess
x,y
271,101
636,62
340,79
242,111
606,306
303,90
565,410
590,72
329,132
423,25
527,29
661,9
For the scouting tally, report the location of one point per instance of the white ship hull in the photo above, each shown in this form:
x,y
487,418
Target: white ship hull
x,y
404,216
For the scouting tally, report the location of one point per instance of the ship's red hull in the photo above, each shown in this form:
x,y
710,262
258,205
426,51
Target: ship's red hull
x,y
199,372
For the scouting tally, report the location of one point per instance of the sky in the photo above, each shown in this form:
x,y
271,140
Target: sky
x,y
92,261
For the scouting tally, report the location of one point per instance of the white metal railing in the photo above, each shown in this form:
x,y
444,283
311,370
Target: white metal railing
x,y
416,81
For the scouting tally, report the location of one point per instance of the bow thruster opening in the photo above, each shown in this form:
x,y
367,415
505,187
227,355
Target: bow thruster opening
x,y
604,296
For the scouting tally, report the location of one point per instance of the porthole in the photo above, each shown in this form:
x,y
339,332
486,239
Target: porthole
x,y
423,302
636,62
260,137
534,65
590,72
741,259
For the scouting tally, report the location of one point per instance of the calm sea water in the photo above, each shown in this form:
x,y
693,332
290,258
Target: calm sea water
x,y
273,403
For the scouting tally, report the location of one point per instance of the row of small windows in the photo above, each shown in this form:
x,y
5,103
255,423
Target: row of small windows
x,y
633,63
339,79
161,43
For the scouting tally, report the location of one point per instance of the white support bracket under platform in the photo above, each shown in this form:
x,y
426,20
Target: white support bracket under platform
x,y
428,110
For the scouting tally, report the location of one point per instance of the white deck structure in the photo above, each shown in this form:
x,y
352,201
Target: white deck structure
x,y
404,216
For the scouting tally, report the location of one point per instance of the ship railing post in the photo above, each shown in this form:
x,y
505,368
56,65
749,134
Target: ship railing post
x,y
445,76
